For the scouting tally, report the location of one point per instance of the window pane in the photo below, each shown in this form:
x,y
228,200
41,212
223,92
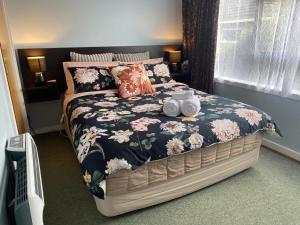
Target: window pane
x,y
258,44
236,38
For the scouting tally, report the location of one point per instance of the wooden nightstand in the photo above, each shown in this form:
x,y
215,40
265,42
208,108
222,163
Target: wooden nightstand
x,y
45,92
182,78
44,107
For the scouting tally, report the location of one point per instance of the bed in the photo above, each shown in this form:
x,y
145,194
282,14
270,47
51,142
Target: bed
x,y
226,141
132,156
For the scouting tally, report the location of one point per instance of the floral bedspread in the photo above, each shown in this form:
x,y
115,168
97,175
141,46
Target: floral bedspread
x,y
110,133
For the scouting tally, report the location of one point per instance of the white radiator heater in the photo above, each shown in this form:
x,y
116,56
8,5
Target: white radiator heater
x,y
29,198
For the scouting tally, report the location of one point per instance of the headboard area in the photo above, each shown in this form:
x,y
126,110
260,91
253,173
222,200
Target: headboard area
x,y
55,56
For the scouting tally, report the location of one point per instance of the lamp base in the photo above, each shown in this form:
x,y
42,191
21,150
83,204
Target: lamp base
x,y
174,68
39,78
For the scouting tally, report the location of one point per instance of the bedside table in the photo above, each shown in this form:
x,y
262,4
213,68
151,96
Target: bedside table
x,y
182,78
44,107
45,92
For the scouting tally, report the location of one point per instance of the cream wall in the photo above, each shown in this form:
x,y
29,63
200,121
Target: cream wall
x,y
12,71
284,111
77,23
81,23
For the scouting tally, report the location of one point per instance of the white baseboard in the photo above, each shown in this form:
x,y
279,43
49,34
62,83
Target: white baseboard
x,y
43,130
281,149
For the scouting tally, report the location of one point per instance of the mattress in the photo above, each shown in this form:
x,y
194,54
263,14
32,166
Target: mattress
x,y
167,179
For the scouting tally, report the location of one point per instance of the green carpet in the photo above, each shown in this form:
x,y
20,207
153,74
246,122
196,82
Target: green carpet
x,y
268,193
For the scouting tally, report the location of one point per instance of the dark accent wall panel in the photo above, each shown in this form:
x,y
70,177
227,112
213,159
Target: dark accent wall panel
x,y
55,57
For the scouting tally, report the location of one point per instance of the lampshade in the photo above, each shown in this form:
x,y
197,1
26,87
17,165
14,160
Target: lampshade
x,y
174,56
37,63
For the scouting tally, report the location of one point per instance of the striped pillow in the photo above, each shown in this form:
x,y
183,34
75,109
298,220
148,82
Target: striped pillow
x,y
146,61
104,57
132,57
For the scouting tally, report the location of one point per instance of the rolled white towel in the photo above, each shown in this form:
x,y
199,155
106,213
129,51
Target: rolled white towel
x,y
172,108
189,93
179,95
183,94
191,106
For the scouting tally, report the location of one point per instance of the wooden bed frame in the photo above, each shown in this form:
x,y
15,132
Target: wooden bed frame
x,y
55,56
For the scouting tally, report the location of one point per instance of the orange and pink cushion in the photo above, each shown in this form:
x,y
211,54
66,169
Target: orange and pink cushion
x,y
132,80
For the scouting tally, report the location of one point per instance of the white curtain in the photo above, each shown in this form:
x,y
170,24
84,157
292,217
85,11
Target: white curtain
x,y
259,45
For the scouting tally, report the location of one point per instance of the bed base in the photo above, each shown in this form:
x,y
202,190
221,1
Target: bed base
x,y
172,188
127,190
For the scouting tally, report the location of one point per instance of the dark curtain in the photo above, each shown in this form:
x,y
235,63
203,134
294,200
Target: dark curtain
x,y
200,23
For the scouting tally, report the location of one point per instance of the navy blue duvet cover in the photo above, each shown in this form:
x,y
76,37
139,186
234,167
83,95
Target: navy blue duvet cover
x,y
111,133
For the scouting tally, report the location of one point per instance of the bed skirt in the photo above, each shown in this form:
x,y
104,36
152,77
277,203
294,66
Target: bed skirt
x,y
166,179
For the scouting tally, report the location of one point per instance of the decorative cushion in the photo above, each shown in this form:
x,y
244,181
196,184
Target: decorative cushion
x,y
103,57
69,77
158,73
132,57
91,79
132,80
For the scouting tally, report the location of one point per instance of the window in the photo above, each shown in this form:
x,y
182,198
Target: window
x,y
259,46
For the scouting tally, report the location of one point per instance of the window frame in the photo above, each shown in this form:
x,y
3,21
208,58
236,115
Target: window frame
x,y
294,94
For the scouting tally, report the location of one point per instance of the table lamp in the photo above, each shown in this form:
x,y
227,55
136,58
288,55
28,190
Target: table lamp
x,y
174,59
37,65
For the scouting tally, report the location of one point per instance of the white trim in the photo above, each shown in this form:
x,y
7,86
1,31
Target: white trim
x,y
295,95
44,130
11,56
235,82
237,21
286,151
5,96
248,84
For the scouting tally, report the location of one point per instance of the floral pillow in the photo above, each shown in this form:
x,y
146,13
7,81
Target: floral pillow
x,y
158,73
91,79
132,80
